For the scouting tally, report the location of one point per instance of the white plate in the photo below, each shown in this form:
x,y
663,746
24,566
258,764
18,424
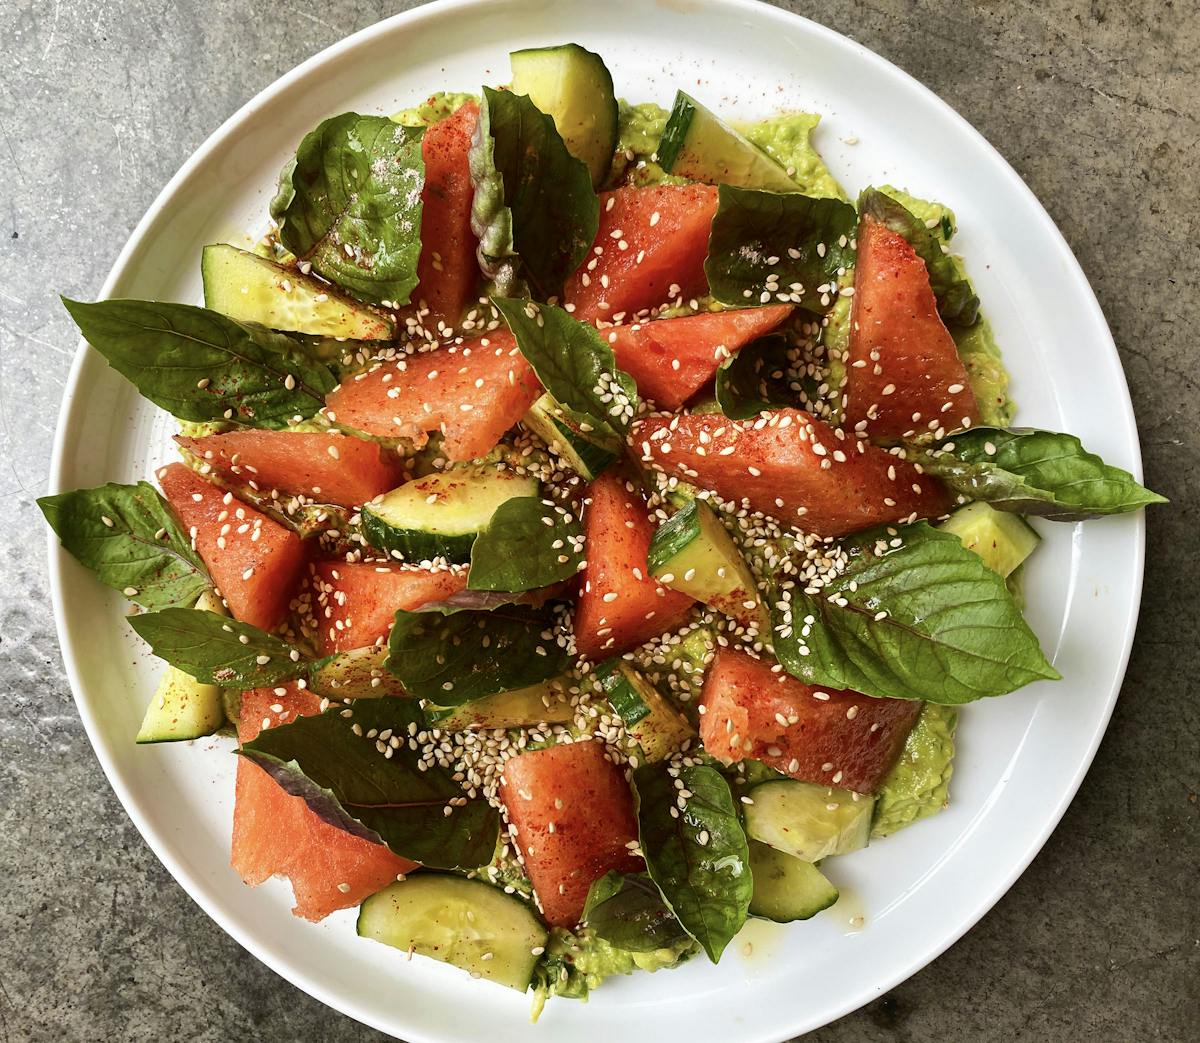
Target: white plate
x,y
1021,757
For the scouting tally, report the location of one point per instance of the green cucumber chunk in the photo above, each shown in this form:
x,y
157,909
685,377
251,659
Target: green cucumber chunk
x,y
574,87
250,288
786,888
1001,539
808,821
357,673
581,456
543,703
650,720
463,922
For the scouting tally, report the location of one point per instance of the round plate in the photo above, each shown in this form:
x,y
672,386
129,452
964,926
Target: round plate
x,y
1021,757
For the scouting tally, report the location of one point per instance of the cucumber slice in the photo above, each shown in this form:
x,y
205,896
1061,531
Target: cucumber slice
x,y
250,288
698,145
355,674
580,455
652,722
441,514
692,552
1003,540
807,821
544,703
572,85
463,922
786,888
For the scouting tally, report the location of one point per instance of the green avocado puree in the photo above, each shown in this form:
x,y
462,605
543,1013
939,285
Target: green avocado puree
x,y
919,785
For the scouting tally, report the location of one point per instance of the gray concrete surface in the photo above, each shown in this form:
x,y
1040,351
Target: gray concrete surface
x,y
1095,104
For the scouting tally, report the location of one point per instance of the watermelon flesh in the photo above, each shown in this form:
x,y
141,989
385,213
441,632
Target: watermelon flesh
x,y
832,738
255,563
620,604
904,377
791,466
664,229
471,392
579,791
671,359
326,468
276,834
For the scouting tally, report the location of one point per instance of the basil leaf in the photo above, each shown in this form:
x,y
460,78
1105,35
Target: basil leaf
x,y
334,762
199,365
914,615
957,303
350,204
452,659
534,210
627,911
699,858
127,535
762,243
576,366
468,600
756,378
217,650
1035,472
519,551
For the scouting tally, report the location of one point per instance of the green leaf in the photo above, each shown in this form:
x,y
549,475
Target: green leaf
x,y
577,367
957,303
756,378
334,762
1035,472
452,659
699,857
762,243
627,911
127,535
534,210
201,366
217,650
519,551
914,615
356,182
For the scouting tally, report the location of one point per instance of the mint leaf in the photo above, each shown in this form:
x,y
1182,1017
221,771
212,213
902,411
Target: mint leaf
x,y
922,618
577,367
534,211
217,650
1035,472
957,304
519,551
199,365
756,378
127,535
763,244
700,859
334,762
627,911
350,204
452,659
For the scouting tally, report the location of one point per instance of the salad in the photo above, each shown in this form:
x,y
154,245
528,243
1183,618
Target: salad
x,y
588,523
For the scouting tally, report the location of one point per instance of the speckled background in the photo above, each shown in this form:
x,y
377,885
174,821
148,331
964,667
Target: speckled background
x,y
1094,103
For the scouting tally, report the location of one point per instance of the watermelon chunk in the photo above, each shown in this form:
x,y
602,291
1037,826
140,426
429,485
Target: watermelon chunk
x,y
832,738
791,466
671,359
620,604
276,834
327,468
905,377
585,796
354,603
254,562
432,390
664,229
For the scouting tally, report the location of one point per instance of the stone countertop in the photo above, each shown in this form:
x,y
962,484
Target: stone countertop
x,y
1095,104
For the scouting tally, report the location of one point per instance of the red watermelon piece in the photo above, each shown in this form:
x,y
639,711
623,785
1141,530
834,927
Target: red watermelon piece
x,y
254,562
832,738
664,229
577,792
276,834
791,466
472,392
904,376
327,468
354,603
620,604
671,359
